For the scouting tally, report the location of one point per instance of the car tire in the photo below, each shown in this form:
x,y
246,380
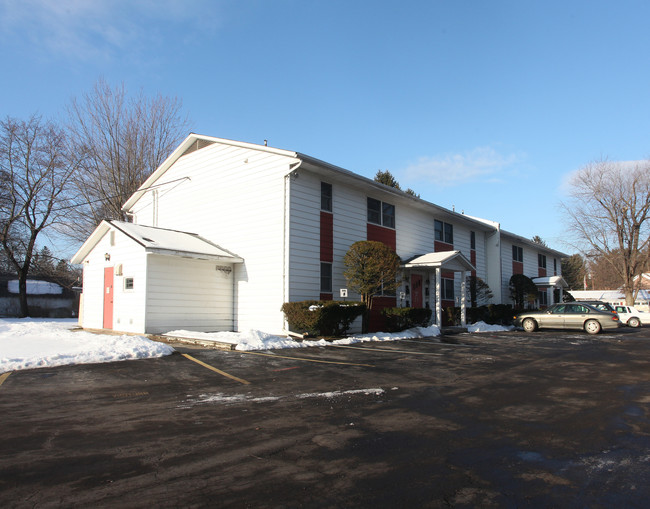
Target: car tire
x,y
529,325
634,322
593,326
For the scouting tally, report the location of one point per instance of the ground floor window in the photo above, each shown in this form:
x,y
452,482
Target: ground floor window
x,y
326,277
447,289
543,298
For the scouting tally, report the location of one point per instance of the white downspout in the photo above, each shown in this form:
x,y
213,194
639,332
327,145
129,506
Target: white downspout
x,y
286,235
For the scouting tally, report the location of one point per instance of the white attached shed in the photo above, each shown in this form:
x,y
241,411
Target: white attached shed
x,y
143,279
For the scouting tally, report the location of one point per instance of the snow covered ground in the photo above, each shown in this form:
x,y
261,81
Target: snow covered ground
x,y
35,343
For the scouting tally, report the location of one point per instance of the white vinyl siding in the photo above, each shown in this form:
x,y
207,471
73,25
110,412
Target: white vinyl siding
x,y
235,198
188,294
129,305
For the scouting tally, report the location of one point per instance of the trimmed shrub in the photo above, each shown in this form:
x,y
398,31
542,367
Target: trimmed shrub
x,y
322,317
399,319
495,314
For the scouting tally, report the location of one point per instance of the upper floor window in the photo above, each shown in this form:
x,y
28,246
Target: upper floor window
x,y
541,261
444,231
517,254
472,240
326,196
555,265
381,213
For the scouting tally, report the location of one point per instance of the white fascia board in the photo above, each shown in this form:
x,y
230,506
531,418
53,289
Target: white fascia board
x,y
180,150
195,256
530,243
91,242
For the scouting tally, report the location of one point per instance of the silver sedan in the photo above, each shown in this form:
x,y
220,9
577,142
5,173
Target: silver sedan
x,y
571,315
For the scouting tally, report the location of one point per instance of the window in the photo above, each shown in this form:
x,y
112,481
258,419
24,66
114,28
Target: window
x,y
388,215
543,298
555,265
541,261
381,213
326,196
128,283
517,254
374,211
447,289
444,232
472,240
326,277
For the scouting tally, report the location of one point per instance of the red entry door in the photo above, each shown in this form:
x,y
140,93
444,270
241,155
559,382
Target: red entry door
x,y
416,291
108,297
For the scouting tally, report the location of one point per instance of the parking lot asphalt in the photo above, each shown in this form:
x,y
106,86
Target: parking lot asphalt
x,y
549,419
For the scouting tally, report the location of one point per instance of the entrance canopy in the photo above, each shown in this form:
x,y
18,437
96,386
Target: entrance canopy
x,y
447,260
553,281
450,261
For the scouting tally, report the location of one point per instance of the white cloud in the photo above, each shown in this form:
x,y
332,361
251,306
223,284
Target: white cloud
x,y
97,29
481,164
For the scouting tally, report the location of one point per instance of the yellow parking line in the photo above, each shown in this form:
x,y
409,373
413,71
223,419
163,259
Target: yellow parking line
x,y
240,380
305,359
4,376
374,349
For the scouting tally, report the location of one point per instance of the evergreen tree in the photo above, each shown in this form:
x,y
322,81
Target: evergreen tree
x,y
386,178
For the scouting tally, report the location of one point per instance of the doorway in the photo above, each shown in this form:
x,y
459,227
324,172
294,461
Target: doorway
x,y
108,298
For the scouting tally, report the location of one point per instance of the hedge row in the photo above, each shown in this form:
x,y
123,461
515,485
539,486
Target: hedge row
x,y
322,317
496,314
399,319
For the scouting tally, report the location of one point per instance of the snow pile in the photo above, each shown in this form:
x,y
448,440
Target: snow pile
x,y
486,327
35,343
257,340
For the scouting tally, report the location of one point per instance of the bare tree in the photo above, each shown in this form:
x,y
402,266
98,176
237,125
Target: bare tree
x,y
122,141
609,214
36,168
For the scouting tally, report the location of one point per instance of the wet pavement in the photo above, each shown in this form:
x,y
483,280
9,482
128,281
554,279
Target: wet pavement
x,y
549,419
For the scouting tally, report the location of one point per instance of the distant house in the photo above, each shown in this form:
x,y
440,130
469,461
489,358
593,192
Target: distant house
x,y
225,232
45,298
614,297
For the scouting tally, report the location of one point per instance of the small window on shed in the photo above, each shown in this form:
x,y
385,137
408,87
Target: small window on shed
x,y
128,283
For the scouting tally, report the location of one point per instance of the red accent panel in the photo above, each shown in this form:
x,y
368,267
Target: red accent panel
x,y
326,237
376,321
541,272
439,246
108,298
326,296
447,274
381,234
517,267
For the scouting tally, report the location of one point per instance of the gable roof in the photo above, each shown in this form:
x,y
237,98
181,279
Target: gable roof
x,y
197,141
190,144
159,241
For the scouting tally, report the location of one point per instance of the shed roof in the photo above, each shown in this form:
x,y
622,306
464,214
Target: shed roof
x,y
159,241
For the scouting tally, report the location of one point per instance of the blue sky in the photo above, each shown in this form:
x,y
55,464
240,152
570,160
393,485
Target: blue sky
x,y
485,106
